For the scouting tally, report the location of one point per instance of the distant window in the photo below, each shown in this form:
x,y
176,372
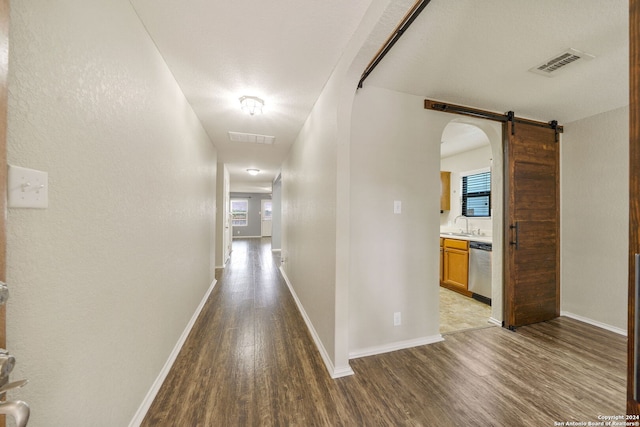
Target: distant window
x,y
239,212
476,195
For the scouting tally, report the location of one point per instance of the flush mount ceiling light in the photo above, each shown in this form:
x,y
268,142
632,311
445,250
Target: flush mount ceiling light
x,y
253,172
251,104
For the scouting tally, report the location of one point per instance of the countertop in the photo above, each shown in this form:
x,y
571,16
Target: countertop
x,y
471,238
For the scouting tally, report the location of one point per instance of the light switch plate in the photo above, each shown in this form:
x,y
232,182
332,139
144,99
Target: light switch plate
x,y
27,188
397,206
397,318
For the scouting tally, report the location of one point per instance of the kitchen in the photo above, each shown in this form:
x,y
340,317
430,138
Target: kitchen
x,y
466,228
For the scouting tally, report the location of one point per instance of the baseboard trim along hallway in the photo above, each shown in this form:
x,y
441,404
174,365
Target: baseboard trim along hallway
x,y
583,319
155,387
334,371
400,345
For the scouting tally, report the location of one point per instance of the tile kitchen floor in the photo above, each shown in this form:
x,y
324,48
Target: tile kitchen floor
x,y
458,312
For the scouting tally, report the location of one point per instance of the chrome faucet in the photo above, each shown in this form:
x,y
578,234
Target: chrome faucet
x,y
18,410
466,222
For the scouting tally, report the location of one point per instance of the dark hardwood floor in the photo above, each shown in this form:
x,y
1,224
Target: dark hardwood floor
x,y
250,361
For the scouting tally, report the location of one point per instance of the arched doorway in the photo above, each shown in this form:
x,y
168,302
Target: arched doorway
x,y
471,145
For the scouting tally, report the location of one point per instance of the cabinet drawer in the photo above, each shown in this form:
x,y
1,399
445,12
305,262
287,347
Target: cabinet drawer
x,y
456,244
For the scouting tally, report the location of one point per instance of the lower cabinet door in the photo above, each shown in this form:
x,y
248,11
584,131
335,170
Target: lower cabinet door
x,y
456,268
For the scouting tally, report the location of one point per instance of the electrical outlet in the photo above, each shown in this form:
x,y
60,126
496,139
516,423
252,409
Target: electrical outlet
x,y
397,319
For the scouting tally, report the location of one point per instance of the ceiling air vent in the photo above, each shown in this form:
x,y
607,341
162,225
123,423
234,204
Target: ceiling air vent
x,y
251,138
554,65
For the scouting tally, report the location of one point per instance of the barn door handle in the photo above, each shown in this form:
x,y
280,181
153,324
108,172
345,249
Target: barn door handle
x,y
517,228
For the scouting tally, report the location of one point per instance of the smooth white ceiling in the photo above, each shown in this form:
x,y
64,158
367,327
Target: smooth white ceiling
x,y
282,51
460,137
469,52
478,53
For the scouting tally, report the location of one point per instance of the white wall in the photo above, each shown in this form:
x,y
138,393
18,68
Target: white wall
x,y
104,281
594,218
223,225
395,155
315,193
276,220
309,217
464,162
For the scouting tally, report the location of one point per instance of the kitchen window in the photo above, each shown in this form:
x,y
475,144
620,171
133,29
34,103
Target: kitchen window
x,y
476,194
239,212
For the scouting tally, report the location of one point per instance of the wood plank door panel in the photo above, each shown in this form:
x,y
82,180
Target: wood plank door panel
x,y
532,291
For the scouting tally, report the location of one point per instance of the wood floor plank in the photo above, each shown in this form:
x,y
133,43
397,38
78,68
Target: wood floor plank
x,y
250,361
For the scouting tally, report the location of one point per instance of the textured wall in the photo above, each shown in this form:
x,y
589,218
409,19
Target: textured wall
x,y
309,219
276,228
595,213
104,280
223,224
316,191
395,155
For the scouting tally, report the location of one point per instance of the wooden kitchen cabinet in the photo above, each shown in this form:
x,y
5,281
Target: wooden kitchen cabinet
x,y
445,191
455,271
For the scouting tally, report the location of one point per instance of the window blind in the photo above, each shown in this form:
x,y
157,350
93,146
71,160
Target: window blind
x,y
476,195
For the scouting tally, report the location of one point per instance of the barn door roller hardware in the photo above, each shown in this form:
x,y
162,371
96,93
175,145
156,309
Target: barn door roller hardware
x,y
406,22
490,115
511,117
554,126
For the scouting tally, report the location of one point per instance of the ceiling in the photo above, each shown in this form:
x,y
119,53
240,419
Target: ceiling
x,y
460,137
282,51
466,52
478,53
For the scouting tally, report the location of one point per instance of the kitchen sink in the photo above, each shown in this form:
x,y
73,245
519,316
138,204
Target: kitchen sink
x,y
457,234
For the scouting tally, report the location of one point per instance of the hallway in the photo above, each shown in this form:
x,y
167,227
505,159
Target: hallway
x,y
249,361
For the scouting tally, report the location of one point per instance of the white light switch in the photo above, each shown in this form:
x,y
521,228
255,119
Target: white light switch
x,y
397,318
27,188
397,207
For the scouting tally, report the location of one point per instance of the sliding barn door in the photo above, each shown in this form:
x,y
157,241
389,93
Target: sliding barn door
x,y
532,261
633,360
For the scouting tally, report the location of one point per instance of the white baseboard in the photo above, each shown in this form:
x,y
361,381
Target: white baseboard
x,y
334,371
224,264
155,387
246,237
594,323
399,345
495,321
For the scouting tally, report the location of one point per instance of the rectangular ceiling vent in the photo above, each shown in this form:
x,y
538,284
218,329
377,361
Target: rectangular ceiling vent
x,y
251,138
552,66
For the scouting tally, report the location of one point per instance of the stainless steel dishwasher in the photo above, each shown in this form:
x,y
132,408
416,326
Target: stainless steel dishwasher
x,y
480,271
